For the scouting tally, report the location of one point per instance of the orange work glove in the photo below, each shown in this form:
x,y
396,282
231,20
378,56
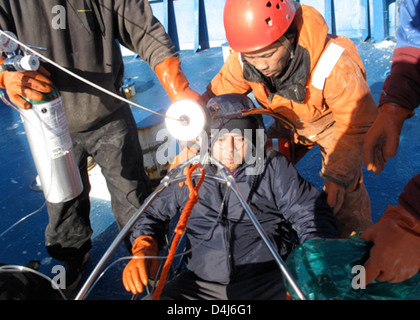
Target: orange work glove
x,y
382,139
29,84
174,81
335,194
395,255
136,273
206,96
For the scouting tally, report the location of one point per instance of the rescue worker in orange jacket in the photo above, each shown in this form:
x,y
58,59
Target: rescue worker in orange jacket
x,y
282,52
395,256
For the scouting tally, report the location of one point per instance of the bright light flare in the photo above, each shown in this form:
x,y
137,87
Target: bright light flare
x,y
192,120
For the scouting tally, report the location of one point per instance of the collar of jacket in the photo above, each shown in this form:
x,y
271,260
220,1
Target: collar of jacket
x,y
291,83
212,169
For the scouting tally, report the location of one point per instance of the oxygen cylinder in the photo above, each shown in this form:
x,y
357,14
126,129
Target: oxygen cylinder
x,y
52,150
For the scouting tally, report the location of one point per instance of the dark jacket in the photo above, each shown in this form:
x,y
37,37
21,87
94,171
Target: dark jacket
x,y
402,86
87,45
221,235
409,198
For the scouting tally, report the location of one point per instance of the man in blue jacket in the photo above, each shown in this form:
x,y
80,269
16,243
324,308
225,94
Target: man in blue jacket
x,y
226,258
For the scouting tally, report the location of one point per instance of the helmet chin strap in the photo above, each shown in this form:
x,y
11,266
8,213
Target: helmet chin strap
x,y
288,45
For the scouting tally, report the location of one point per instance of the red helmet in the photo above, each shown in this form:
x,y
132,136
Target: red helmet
x,y
251,25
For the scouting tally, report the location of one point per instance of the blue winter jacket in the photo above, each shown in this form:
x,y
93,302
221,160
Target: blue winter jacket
x,y
220,234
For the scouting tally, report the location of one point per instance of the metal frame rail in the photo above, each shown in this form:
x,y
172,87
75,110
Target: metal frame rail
x,y
176,176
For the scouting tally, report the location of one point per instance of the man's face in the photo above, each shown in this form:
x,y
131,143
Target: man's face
x,y
270,60
230,149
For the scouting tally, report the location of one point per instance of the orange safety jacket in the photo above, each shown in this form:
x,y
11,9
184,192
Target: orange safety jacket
x,y
338,99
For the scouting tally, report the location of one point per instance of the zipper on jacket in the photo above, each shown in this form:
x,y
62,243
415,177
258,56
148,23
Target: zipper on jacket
x,y
225,224
229,251
223,197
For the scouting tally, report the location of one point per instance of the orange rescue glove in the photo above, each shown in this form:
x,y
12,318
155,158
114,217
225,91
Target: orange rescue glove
x,y
136,273
395,255
382,139
174,81
335,194
29,84
206,96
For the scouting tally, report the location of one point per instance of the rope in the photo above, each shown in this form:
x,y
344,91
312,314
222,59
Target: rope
x,y
182,224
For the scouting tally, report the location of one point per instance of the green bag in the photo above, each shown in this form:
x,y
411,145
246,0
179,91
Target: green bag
x,y
333,270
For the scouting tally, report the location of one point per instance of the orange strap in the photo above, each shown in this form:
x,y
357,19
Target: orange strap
x,y
180,228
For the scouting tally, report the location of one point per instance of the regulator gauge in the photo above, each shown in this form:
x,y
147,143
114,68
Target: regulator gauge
x,y
7,44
